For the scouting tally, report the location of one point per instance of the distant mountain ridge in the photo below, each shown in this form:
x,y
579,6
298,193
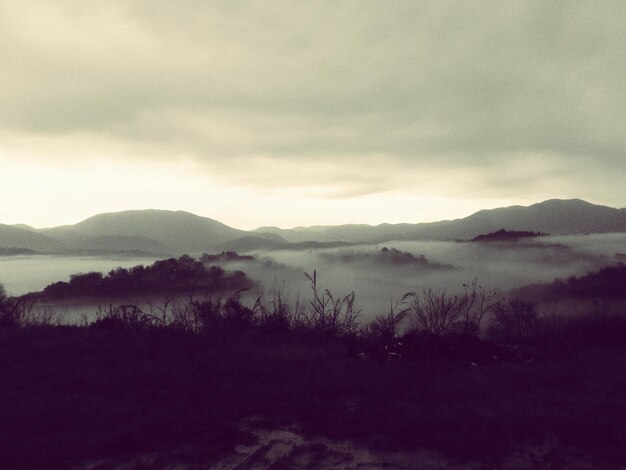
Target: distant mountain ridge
x,y
169,231
17,237
151,232
555,216
161,232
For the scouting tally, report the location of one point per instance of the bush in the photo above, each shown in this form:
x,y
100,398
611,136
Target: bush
x,y
580,332
7,310
124,317
433,311
387,327
442,313
19,313
278,315
514,322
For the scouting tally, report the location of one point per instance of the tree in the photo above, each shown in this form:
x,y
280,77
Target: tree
x,y
476,302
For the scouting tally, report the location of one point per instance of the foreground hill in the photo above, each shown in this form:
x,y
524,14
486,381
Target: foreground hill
x,y
556,216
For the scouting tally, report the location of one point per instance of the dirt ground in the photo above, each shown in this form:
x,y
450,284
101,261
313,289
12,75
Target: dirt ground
x,y
286,448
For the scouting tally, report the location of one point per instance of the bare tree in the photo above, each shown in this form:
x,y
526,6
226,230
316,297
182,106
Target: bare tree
x,y
477,301
433,310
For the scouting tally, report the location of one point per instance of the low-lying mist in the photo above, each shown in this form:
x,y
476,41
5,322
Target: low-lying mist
x,y
380,274
29,273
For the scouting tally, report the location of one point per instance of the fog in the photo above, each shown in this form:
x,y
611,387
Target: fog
x,y
30,273
378,280
378,274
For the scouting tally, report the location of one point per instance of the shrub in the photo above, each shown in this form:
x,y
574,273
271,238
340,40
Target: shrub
x,y
7,310
580,332
433,311
514,322
124,317
23,312
277,314
387,327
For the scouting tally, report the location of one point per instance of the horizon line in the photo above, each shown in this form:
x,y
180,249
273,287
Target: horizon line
x,y
306,226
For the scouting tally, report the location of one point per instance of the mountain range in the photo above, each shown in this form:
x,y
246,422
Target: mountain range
x,y
160,232
555,216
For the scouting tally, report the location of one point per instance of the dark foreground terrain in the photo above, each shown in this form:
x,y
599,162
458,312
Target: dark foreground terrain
x,y
117,389
215,383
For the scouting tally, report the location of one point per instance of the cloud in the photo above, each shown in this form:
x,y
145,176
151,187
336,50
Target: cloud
x,y
456,97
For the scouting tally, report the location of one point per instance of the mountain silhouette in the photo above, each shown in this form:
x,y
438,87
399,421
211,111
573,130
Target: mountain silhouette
x,y
180,230
16,237
153,230
162,232
74,240
555,216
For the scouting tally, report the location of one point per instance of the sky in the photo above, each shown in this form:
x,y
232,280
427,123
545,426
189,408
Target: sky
x,y
302,113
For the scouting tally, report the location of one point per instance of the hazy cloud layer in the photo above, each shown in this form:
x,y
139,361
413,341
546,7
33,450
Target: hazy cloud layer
x,y
478,99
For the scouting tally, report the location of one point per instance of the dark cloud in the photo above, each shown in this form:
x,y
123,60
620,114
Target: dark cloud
x,y
416,87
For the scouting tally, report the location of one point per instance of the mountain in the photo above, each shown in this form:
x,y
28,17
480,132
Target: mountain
x,y
175,232
554,216
73,240
180,230
25,227
151,230
16,237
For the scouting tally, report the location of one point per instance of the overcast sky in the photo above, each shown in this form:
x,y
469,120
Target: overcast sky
x,y
300,113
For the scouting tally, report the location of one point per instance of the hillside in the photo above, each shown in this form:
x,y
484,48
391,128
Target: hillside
x,y
181,230
73,240
15,237
558,217
554,216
